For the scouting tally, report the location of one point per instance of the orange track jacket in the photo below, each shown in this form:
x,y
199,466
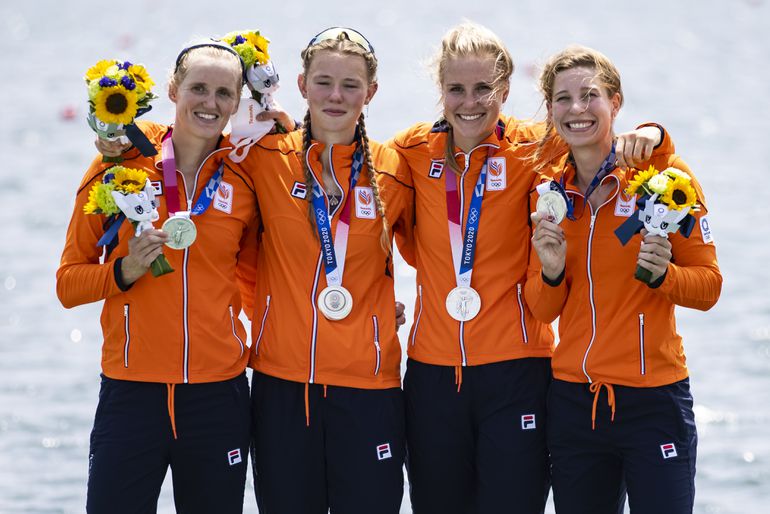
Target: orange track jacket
x,y
612,328
291,338
181,327
505,328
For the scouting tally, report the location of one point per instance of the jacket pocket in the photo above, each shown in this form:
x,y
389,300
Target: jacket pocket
x,y
378,351
235,332
126,317
419,314
520,300
262,325
642,363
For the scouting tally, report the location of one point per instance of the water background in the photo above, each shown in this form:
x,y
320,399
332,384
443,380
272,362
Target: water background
x,y
699,68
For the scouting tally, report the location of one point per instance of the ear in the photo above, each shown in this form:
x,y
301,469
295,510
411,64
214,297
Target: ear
x,y
370,91
615,104
301,85
172,91
505,94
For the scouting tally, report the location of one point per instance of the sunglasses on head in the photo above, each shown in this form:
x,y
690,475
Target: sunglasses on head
x,y
333,33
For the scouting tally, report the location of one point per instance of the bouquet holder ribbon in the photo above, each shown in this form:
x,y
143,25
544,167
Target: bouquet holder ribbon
x,y
137,137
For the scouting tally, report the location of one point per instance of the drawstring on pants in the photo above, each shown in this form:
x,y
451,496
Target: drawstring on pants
x,y
459,377
307,402
170,405
596,388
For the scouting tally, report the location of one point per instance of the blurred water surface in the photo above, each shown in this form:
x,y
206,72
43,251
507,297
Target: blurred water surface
x,y
695,67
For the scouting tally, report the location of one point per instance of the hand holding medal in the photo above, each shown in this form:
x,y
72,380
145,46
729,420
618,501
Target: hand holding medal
x,y
127,193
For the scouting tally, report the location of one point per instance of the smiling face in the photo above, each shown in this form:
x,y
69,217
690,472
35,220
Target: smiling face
x,y
206,96
581,109
472,100
336,87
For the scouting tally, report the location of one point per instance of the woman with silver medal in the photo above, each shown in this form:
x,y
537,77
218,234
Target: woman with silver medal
x,y
620,417
174,391
328,416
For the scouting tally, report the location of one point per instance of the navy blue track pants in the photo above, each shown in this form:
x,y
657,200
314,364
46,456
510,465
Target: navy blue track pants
x,y
133,444
648,451
480,450
347,460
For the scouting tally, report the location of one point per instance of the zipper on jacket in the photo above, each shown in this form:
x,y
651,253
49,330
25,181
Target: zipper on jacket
x,y
590,291
235,333
185,286
376,345
461,189
643,368
262,326
419,314
319,267
521,311
592,227
128,336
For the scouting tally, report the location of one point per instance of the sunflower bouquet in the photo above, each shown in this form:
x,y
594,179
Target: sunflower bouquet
x,y
119,92
666,199
126,193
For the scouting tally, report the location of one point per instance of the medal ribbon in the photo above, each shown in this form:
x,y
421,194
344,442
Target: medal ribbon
x,y
606,167
464,249
334,249
172,190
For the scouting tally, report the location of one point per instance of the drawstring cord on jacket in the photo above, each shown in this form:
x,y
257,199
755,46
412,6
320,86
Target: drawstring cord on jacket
x,y
596,388
459,377
170,405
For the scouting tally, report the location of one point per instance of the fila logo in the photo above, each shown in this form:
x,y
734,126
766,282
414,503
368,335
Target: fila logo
x,y
528,422
157,186
625,207
383,452
365,206
299,190
436,168
234,457
223,199
668,450
496,176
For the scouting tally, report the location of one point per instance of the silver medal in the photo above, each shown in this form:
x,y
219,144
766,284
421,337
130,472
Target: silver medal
x,y
552,204
181,231
463,303
335,302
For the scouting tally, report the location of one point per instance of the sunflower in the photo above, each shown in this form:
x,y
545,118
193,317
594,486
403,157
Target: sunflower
x,y
129,180
259,41
141,76
640,181
99,69
116,105
679,194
